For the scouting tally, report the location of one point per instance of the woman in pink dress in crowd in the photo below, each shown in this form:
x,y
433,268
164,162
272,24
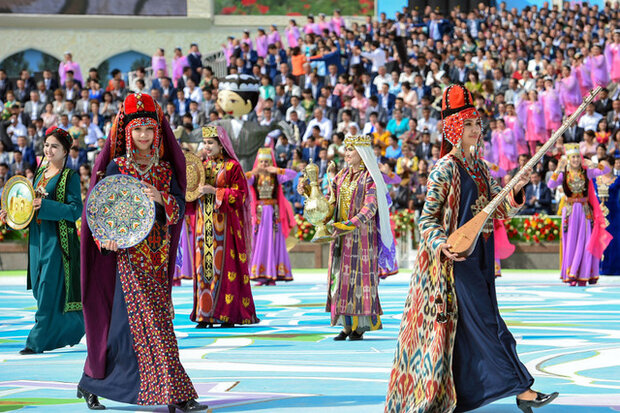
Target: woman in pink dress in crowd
x,y
503,142
274,36
292,34
612,55
337,22
514,124
67,65
178,63
531,114
158,62
261,43
582,71
551,107
598,67
584,237
245,38
323,24
228,48
569,91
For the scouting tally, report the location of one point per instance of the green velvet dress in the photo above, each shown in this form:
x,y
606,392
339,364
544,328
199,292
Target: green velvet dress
x,y
54,265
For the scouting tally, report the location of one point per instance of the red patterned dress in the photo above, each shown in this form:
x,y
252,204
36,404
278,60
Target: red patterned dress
x,y
222,292
142,357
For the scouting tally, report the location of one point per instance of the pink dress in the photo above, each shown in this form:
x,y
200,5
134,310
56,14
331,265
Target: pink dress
x,y
65,67
504,144
178,63
274,38
569,93
513,123
292,36
552,110
598,71
261,45
585,78
612,55
531,114
159,63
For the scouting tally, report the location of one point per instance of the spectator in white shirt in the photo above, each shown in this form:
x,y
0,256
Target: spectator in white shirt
x,y
324,124
192,92
381,78
93,132
376,56
426,121
589,121
295,106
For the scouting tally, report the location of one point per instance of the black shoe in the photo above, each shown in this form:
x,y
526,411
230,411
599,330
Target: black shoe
x,y
202,324
190,405
92,401
27,351
227,325
355,336
342,336
540,400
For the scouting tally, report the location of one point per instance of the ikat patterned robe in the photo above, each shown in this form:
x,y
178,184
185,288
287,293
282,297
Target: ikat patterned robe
x,y
421,378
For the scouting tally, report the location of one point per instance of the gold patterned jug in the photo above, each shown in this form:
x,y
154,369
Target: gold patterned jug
x,y
316,208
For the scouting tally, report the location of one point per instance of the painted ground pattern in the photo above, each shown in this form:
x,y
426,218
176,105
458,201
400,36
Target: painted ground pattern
x,y
569,339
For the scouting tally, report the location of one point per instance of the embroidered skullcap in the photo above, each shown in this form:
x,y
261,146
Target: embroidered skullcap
x,y
571,149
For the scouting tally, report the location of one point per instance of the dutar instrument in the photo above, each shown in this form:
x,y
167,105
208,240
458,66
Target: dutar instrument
x,y
463,240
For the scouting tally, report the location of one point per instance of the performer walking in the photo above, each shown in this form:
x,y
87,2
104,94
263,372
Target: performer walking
x,y
442,365
608,190
222,291
54,250
272,220
132,350
584,237
363,248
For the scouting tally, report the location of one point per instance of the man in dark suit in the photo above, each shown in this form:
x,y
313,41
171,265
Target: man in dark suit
x,y
73,160
537,196
29,81
573,134
311,151
280,78
304,80
167,92
315,85
295,121
419,193
26,150
194,59
370,89
51,84
19,166
459,73
373,106
22,95
613,117
604,104
249,58
386,99
423,150
380,158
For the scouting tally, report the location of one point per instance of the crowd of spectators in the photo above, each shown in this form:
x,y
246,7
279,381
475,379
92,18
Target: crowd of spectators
x,y
528,70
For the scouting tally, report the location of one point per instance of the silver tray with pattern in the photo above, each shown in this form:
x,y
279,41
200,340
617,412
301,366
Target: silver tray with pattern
x,y
117,209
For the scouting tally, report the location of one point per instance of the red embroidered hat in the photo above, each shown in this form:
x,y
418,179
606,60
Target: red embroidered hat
x,y
456,98
138,105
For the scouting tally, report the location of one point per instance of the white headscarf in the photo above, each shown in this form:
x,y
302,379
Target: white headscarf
x,y
362,145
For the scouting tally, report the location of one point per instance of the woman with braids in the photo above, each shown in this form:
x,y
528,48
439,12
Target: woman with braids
x,y
132,350
54,250
454,351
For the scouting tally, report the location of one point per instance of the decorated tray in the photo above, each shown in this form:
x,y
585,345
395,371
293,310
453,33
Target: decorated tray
x,y
17,201
195,176
117,209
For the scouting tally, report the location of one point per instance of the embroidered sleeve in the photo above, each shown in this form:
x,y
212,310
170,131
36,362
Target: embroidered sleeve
x,y
597,171
232,196
171,208
285,175
555,180
430,223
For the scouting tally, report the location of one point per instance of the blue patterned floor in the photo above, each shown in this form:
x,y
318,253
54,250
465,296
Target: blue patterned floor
x,y
569,339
